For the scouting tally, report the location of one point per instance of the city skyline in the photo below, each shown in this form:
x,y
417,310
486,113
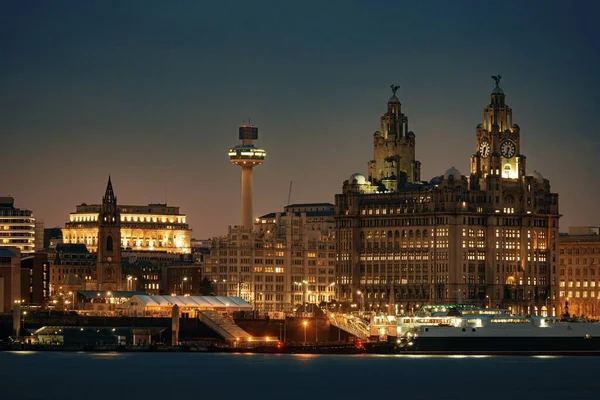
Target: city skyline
x,y
159,110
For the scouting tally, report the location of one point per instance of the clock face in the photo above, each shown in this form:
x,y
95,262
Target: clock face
x,y
484,148
109,259
508,149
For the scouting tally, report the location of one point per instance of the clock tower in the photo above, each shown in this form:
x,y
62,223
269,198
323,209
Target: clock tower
x,y
108,265
497,142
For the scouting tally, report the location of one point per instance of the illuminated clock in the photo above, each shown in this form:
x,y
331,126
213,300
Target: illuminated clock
x,y
109,259
484,148
508,149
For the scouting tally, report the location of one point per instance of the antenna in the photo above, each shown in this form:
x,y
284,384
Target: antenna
x,y
290,193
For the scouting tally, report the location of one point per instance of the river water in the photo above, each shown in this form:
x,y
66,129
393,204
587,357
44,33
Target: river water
x,y
114,376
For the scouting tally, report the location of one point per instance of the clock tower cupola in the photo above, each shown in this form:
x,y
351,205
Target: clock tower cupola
x,y
108,266
497,142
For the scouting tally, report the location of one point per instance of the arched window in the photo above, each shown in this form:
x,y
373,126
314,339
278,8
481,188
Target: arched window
x,y
109,243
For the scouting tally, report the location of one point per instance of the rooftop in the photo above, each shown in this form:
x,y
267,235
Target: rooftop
x,y
6,252
328,213
119,294
78,248
192,301
311,205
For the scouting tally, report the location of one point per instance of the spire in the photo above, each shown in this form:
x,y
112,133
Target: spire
x,y
109,213
109,195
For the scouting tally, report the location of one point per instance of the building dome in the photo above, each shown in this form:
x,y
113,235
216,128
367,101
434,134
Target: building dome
x,y
394,99
435,180
452,172
479,126
537,176
360,178
497,90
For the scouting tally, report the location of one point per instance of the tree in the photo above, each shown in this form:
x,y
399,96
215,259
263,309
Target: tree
x,y
206,287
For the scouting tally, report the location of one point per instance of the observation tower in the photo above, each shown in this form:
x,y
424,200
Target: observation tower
x,y
247,156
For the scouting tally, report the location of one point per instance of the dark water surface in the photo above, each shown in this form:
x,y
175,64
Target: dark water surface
x,y
114,376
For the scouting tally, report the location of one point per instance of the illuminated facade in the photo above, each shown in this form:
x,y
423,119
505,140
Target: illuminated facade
x,y
579,272
287,260
488,238
155,227
17,227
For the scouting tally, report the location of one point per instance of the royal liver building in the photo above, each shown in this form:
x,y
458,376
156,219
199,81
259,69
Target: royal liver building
x,y
486,238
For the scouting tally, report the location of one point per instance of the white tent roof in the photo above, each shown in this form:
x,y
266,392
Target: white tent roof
x,y
208,302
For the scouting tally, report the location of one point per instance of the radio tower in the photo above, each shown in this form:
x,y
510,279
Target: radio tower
x,y
247,156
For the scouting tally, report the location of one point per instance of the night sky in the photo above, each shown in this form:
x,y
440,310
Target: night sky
x,y
153,92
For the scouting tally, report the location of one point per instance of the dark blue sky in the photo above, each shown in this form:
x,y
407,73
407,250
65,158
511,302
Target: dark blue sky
x,y
152,92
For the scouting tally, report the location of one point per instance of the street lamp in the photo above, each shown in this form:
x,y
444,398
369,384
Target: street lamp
x,y
110,298
305,323
183,280
24,314
489,301
73,294
362,300
305,290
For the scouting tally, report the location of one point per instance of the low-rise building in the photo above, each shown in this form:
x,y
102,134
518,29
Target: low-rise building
x,y
71,267
10,278
579,271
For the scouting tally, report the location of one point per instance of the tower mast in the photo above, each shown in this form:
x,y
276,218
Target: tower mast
x,y
247,156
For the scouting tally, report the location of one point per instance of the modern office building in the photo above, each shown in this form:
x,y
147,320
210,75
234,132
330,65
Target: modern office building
x,y
35,278
17,227
286,261
486,238
579,272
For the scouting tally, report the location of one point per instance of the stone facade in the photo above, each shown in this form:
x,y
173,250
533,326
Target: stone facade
x,y
488,238
108,266
579,272
394,162
155,227
286,261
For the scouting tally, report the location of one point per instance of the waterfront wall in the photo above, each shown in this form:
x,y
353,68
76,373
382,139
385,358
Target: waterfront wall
x,y
290,329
